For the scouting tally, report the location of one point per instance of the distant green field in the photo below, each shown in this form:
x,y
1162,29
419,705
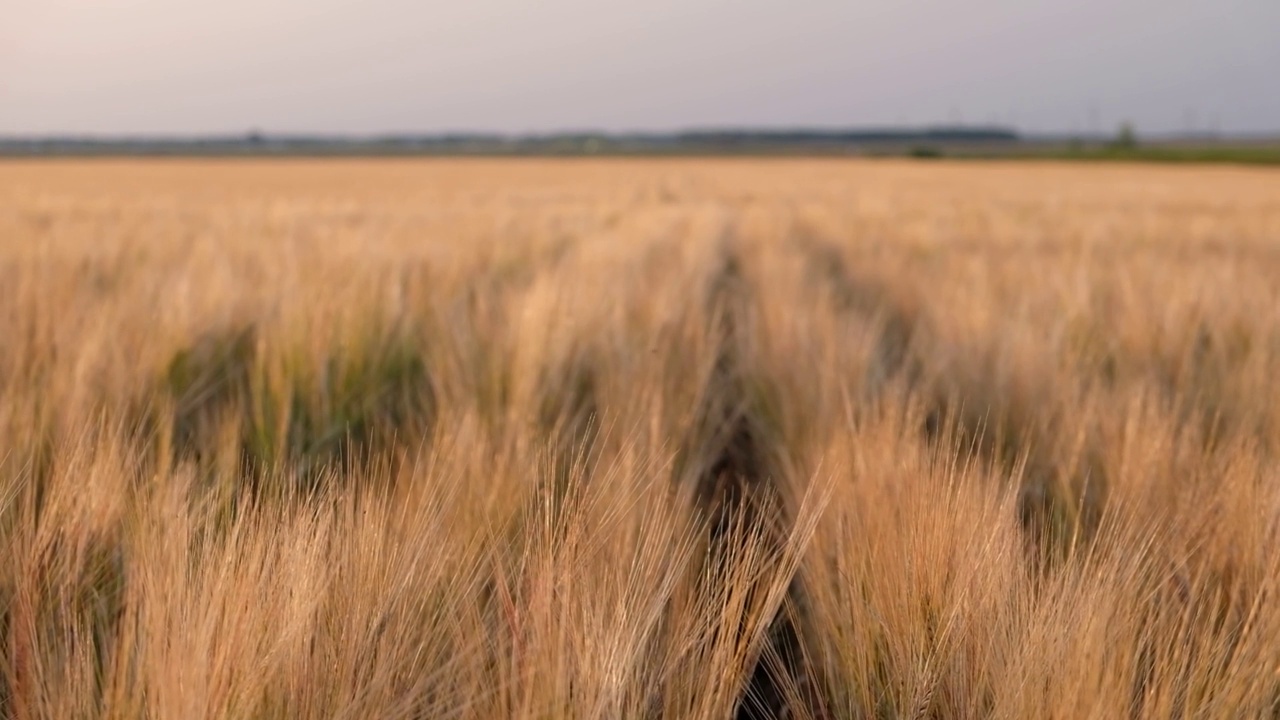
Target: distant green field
x,y
1225,154
972,145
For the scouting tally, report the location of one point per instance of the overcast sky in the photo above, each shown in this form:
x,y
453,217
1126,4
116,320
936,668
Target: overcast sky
x,y
367,66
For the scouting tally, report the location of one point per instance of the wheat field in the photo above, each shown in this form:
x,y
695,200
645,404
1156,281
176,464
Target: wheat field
x,y
679,438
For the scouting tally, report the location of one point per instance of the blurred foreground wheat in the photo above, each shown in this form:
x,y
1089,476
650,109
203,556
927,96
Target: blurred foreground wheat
x,y
679,439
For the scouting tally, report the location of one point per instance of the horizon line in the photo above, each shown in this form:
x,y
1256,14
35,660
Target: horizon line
x,y
693,132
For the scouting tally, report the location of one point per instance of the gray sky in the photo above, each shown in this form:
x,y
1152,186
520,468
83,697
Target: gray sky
x,y
195,66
